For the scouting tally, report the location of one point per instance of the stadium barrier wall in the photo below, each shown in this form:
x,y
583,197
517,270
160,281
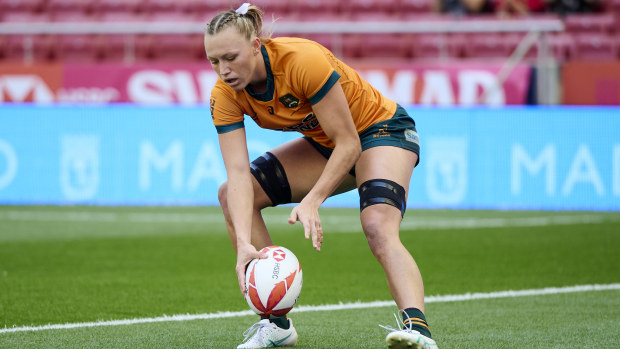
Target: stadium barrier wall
x,y
556,158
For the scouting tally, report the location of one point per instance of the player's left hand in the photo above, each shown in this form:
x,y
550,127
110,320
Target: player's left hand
x,y
308,215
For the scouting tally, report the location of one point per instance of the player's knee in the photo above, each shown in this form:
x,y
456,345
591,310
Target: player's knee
x,y
270,175
222,195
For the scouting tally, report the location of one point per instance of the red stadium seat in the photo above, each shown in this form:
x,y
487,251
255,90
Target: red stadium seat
x,y
161,5
72,11
488,45
595,47
278,9
432,46
27,48
21,6
350,46
561,47
79,48
120,10
590,23
176,47
71,6
397,46
204,10
128,48
165,16
320,10
25,17
365,10
117,47
413,7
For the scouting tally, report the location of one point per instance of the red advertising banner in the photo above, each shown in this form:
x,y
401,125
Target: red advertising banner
x,y
426,84
591,83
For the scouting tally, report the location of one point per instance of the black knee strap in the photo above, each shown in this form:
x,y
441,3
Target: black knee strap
x,y
270,174
382,191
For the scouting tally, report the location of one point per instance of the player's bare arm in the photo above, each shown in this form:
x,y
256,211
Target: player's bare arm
x,y
240,197
335,119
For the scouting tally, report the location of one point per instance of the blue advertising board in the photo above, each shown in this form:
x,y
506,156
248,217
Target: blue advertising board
x,y
510,158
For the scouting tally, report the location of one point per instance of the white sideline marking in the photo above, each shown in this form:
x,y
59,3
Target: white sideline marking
x,y
335,223
325,307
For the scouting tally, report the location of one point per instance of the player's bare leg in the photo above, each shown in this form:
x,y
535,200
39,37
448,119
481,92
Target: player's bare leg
x,y
381,224
303,165
260,236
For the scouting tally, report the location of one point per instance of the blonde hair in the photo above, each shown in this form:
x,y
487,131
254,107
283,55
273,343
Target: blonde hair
x,y
248,24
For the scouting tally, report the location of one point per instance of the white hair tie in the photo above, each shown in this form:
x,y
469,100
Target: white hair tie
x,y
243,9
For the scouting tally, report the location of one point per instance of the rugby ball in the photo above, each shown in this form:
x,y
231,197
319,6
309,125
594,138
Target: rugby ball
x,y
273,284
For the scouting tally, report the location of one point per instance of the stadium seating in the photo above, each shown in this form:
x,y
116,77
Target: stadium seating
x,y
589,46
397,46
320,10
22,6
175,48
25,17
36,48
587,36
413,7
120,10
277,9
433,46
118,48
488,45
369,10
590,23
79,48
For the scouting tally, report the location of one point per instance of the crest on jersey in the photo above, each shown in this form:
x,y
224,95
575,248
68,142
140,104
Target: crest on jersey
x,y
289,101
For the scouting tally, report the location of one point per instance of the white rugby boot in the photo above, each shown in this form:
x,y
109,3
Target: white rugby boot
x,y
265,334
407,338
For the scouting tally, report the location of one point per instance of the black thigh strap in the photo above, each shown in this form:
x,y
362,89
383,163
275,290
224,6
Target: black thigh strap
x,y
270,174
382,191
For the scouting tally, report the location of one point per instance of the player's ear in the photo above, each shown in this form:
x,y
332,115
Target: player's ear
x,y
256,44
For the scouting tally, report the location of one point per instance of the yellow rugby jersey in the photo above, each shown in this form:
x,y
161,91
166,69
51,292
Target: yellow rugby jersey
x,y
299,74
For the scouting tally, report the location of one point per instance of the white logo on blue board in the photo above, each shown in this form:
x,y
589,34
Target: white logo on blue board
x,y
447,170
412,136
79,167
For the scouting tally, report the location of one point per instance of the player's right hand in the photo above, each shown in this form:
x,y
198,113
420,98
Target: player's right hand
x,y
245,254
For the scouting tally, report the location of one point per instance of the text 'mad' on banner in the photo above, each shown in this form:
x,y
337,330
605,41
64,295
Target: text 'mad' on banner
x,y
189,84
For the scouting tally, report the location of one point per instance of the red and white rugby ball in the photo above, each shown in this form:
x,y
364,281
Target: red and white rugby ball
x,y
273,284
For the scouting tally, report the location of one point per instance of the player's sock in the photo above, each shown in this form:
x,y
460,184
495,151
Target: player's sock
x,y
281,322
414,319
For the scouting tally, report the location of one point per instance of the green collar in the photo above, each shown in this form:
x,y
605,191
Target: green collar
x,y
268,94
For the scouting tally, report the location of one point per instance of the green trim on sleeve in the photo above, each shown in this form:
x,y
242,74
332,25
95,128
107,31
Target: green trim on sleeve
x,y
231,127
323,91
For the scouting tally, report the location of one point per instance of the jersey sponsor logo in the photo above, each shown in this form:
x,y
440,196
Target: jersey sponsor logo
x,y
412,136
289,101
308,123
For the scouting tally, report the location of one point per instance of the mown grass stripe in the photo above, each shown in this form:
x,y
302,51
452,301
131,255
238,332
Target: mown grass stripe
x,y
325,307
336,223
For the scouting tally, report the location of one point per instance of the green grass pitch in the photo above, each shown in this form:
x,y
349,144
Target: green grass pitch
x,y
78,264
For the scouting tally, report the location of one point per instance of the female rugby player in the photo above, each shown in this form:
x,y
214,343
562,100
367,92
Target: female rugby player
x,y
353,137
